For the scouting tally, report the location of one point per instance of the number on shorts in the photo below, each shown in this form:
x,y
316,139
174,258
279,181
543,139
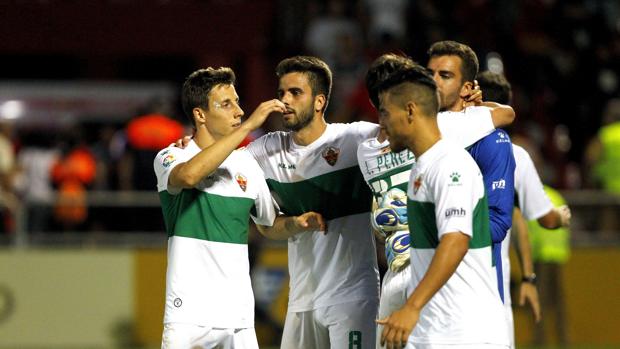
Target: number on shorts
x,y
355,340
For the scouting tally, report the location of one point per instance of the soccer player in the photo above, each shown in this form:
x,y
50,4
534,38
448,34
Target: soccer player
x,y
454,66
531,202
334,279
454,294
384,170
208,192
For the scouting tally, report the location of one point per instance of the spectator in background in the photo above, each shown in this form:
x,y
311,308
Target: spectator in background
x,y
603,153
72,174
602,159
327,31
35,161
146,135
387,21
8,201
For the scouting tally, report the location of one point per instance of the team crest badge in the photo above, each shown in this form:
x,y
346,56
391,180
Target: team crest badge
x,y
330,154
242,181
417,184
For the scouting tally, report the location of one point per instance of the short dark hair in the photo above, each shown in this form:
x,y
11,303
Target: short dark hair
x,y
469,60
390,71
196,88
495,87
318,72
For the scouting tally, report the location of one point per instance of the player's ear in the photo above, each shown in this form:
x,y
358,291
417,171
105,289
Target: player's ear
x,y
466,89
319,102
411,110
200,116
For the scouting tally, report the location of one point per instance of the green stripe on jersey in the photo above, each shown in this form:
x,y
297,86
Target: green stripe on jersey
x,y
200,215
423,225
336,194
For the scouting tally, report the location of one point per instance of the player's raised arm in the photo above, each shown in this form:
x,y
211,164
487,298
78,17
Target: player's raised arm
x,y
188,174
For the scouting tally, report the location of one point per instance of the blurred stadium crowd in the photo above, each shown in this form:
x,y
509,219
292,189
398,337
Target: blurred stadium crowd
x,y
562,58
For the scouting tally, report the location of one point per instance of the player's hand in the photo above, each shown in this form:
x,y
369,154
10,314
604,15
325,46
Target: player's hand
x,y
398,326
529,293
565,215
474,97
261,113
183,142
310,221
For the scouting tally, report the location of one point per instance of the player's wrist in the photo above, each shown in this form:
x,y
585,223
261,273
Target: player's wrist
x,y
529,279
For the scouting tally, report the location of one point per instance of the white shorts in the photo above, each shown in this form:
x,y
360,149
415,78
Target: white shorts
x,y
454,346
511,324
186,336
393,295
348,325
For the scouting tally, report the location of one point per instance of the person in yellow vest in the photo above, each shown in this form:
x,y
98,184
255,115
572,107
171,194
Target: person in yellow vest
x,y
604,151
602,164
550,251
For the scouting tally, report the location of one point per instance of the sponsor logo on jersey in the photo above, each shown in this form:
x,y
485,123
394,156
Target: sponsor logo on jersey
x,y
417,184
168,160
242,181
178,302
502,138
330,154
455,212
501,184
287,166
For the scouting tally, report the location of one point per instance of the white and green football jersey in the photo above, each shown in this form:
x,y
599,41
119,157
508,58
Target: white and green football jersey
x,y
382,169
340,266
208,276
446,194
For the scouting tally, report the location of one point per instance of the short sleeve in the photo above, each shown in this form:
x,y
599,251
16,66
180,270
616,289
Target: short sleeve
x,y
257,148
533,201
165,161
264,211
458,188
467,127
366,130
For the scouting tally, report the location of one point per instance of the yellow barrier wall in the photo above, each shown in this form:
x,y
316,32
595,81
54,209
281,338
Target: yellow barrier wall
x,y
64,298
591,280
592,294
149,293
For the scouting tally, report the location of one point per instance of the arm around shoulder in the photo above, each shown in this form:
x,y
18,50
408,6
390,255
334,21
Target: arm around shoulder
x,y
502,115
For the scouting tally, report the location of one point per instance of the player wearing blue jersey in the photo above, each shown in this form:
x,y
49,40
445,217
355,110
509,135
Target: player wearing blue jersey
x,y
454,66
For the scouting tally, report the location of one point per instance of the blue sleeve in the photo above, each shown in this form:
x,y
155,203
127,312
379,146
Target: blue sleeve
x,y
493,154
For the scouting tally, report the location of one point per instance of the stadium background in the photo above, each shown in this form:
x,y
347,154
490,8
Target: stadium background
x,y
74,74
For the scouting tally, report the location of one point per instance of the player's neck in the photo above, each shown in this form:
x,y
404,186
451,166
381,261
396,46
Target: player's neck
x,y
457,106
203,137
425,137
311,132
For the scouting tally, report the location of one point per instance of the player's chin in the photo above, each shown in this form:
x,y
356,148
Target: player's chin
x,y
395,145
